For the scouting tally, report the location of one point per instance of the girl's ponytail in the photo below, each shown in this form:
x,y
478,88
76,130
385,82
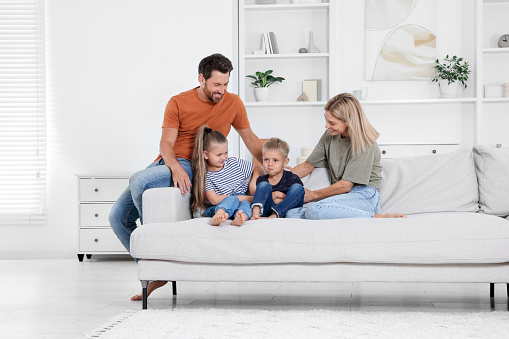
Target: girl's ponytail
x,y
199,171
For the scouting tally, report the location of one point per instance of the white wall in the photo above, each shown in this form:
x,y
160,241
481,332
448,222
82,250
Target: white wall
x,y
112,67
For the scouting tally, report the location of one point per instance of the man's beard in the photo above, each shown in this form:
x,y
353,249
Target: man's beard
x,y
210,95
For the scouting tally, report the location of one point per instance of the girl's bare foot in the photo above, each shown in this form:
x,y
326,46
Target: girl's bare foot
x,y
240,219
219,217
153,285
390,215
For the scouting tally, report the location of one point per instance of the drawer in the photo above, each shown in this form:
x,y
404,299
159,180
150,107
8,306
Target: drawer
x,y
389,151
94,214
102,189
99,240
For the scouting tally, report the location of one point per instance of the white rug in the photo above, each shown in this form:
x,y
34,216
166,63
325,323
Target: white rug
x,y
235,323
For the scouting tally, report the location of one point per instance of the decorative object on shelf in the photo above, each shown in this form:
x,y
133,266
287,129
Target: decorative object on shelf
x,y
311,47
503,41
306,1
265,2
450,74
358,94
269,44
494,91
302,97
400,39
262,49
306,151
303,50
262,81
312,89
506,90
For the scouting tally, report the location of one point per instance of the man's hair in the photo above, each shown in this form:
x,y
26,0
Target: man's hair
x,y
214,62
276,144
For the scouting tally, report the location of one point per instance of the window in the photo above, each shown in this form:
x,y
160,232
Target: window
x,y
22,112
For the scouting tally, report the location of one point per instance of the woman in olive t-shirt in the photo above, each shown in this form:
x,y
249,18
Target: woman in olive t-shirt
x,y
348,149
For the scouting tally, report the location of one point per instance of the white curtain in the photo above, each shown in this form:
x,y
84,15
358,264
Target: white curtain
x,y
22,112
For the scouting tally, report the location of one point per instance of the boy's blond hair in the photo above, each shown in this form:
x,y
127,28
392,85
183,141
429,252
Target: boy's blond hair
x,y
276,144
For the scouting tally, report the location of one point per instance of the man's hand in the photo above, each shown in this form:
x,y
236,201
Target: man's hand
x,y
180,178
308,195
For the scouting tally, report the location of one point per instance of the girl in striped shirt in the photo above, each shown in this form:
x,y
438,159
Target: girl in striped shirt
x,y
222,180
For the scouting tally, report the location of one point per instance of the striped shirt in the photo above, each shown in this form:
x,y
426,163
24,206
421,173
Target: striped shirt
x,y
232,179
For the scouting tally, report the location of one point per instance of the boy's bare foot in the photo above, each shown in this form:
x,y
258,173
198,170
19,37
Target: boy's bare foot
x,y
240,219
390,215
256,213
153,285
219,217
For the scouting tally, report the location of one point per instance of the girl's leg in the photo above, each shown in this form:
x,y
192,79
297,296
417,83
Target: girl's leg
x,y
223,210
242,214
360,202
294,198
263,199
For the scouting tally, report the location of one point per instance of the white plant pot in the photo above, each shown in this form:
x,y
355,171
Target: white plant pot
x,y
449,90
262,93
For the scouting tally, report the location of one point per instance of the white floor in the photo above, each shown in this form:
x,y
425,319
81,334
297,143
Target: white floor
x,y
65,298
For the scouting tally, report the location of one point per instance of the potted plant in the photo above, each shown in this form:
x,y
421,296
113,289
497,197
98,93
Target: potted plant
x,y
262,81
449,75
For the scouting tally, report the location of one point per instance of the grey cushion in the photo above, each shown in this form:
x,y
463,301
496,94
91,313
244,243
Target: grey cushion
x,y
492,168
425,184
434,238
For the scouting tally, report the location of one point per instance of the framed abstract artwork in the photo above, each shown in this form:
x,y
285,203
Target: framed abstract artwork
x,y
400,39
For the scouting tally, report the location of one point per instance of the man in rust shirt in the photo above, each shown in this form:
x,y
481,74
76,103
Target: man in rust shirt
x,y
209,104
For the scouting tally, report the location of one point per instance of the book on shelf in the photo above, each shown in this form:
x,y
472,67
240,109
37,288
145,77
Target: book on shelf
x,y
269,44
273,41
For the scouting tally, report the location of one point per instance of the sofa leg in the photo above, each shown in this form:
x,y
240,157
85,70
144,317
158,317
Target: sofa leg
x,y
174,285
144,284
492,290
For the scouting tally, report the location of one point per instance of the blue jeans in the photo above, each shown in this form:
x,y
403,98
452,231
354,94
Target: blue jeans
x,y
127,209
263,199
230,205
360,202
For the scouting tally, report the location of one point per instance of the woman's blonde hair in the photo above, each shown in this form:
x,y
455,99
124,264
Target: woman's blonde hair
x,y
205,137
348,109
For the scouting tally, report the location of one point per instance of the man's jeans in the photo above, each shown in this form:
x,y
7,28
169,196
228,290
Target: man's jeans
x,y
230,205
360,202
263,199
127,209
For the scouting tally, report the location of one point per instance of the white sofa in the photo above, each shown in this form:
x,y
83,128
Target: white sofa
x,y
457,230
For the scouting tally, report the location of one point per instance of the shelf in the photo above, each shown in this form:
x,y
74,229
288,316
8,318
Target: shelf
x,y
287,56
495,50
495,99
495,1
276,7
285,104
417,101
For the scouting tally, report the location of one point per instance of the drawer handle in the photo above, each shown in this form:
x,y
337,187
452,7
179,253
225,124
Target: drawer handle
x,y
96,215
96,240
383,152
97,190
434,151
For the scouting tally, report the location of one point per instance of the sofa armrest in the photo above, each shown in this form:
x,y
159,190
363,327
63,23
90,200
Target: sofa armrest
x,y
165,204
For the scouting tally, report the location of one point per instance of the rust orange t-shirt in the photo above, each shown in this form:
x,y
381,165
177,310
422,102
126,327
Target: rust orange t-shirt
x,y
187,113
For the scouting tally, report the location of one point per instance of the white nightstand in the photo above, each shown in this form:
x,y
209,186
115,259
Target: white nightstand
x,y
96,195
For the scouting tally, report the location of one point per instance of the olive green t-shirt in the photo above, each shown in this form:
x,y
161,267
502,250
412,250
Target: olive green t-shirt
x,y
334,152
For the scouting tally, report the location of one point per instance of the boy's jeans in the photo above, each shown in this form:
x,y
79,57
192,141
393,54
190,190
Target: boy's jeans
x,y
127,209
360,202
263,199
230,205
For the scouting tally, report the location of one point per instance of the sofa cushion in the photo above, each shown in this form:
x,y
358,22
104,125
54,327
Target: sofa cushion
x,y
492,168
433,238
425,184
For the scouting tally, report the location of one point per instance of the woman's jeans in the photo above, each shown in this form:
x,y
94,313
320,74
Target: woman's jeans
x,y
127,209
263,199
230,205
360,202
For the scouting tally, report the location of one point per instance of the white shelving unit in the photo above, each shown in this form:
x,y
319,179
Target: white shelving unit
x,y
491,65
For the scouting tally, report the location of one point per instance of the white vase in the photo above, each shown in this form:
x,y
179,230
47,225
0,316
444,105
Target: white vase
x,y
261,93
449,90
312,48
